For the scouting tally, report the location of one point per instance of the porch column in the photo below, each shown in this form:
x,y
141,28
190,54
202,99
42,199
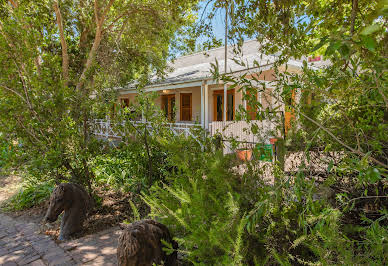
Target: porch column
x,y
225,101
203,104
206,105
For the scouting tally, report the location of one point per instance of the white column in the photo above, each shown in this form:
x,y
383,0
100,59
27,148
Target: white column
x,y
206,111
225,101
203,105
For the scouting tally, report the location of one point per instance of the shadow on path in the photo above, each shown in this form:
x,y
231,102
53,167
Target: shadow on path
x,y
22,244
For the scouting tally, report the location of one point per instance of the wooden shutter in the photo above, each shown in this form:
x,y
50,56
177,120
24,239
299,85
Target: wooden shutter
x,y
251,108
186,107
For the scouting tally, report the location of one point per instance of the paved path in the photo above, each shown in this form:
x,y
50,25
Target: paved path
x,y
22,244
98,249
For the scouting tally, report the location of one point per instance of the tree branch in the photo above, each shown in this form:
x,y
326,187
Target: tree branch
x,y
13,91
96,44
65,56
341,142
27,131
96,9
14,3
353,16
107,8
128,10
380,91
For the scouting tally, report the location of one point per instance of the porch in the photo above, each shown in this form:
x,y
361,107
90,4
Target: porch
x,y
104,128
245,134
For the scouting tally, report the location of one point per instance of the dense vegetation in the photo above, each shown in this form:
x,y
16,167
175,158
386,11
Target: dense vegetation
x,y
218,215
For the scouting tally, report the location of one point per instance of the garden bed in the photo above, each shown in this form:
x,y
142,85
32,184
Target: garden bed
x,y
112,208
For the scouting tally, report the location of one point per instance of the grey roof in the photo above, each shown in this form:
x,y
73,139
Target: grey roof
x,y
198,65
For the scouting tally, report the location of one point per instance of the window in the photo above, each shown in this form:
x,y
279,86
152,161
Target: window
x,y
186,107
124,102
218,103
230,107
168,106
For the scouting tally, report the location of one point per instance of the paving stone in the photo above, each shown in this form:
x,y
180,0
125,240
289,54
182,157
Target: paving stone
x,y
62,260
22,244
37,263
8,258
2,234
56,255
101,261
84,256
44,247
9,263
3,251
18,247
28,259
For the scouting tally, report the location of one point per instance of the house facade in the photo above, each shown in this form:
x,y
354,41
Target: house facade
x,y
189,96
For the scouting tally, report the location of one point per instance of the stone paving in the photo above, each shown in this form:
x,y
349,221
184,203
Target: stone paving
x,y
97,249
22,244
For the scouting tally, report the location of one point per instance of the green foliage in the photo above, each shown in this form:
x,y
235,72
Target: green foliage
x,y
52,81
341,107
201,207
217,215
5,151
32,193
127,166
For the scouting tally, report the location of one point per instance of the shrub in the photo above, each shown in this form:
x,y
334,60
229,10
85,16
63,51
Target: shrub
x,y
201,207
127,167
220,217
31,194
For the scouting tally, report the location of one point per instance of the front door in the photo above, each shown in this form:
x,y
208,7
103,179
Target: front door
x,y
218,105
168,106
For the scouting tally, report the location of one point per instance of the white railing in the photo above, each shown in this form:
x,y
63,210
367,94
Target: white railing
x,y
107,129
239,130
242,130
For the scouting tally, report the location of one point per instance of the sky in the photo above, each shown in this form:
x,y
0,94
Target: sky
x,y
218,22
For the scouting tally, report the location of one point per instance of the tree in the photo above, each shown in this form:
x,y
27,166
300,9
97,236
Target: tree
x,y
340,216
352,36
58,59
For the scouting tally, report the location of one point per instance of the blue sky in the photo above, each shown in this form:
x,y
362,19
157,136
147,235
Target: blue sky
x,y
218,22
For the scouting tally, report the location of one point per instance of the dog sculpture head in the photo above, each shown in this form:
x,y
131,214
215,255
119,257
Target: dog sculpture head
x,y
59,200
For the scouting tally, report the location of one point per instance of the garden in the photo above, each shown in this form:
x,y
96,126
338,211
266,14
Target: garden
x,y
322,200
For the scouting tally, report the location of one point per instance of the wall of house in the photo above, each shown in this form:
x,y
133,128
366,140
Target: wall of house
x,y
267,75
264,97
130,96
195,101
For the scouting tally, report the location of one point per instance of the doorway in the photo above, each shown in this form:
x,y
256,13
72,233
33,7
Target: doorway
x,y
218,105
168,106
